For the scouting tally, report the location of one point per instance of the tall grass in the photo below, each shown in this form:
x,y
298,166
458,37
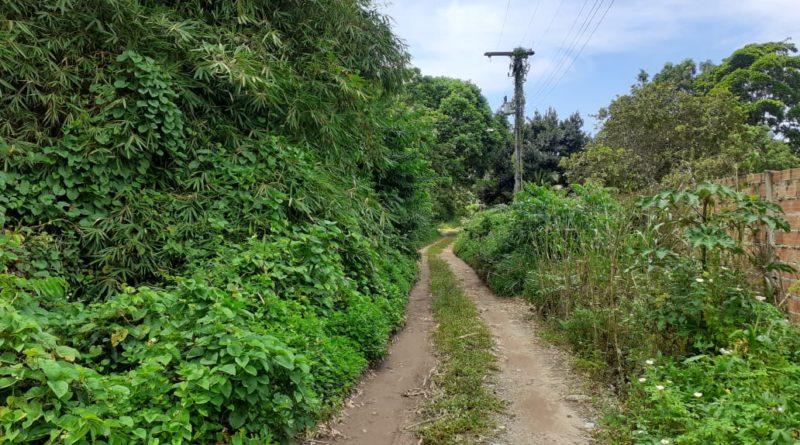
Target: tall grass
x,y
628,291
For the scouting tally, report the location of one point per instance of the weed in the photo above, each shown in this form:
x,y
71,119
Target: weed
x,y
463,407
656,298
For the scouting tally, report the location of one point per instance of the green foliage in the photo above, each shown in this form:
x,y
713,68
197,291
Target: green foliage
x,y
666,281
683,128
139,151
262,338
469,140
548,139
208,214
656,131
605,165
716,218
742,395
766,79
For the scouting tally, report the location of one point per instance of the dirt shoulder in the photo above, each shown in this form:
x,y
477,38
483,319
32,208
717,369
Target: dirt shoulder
x,y
383,408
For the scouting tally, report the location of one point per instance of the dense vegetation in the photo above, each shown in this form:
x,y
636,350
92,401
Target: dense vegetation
x,y
664,296
690,123
546,141
655,297
470,142
207,214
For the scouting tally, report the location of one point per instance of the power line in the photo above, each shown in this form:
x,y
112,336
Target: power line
x,y
570,55
579,52
566,56
564,41
552,19
503,27
530,22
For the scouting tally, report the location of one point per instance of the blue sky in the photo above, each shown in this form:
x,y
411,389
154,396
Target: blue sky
x,y
449,37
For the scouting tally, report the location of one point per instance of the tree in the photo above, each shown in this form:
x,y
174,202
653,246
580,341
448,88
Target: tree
x,y
547,141
468,139
675,130
654,132
680,75
766,79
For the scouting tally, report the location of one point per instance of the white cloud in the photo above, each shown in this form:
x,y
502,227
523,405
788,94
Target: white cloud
x,y
449,37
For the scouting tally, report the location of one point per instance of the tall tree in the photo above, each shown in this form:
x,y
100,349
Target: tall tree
x,y
547,140
468,138
663,132
659,126
766,79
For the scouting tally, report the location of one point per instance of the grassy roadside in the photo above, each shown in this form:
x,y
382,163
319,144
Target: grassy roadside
x,y
462,407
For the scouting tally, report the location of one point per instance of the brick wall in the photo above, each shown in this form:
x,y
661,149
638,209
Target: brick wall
x,y
783,188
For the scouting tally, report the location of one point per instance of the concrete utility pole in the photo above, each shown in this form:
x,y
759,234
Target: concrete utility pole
x,y
519,69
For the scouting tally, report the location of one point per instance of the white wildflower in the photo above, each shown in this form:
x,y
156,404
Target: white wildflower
x,y
649,362
761,298
664,441
642,379
660,387
698,394
699,280
724,351
780,409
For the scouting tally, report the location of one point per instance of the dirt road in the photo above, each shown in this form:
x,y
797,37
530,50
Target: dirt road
x,y
533,378
385,403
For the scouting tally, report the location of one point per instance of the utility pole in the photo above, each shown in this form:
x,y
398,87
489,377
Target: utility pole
x,y
518,69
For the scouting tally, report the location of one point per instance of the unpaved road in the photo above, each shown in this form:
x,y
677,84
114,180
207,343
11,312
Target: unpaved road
x,y
386,401
532,378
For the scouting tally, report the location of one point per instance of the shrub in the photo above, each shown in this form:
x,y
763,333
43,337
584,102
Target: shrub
x,y
664,281
207,215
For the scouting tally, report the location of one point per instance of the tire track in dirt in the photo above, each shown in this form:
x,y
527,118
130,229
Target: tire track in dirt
x,y
531,377
383,409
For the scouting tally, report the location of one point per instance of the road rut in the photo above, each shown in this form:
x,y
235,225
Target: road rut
x,y
383,411
531,377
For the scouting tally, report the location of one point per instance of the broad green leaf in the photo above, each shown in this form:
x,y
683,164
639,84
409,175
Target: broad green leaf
x,y
60,388
230,368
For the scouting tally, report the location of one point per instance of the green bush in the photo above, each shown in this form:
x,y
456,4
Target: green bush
x,y
208,213
661,293
249,341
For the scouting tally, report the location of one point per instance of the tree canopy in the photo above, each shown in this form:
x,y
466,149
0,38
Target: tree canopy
x,y
468,139
766,79
693,122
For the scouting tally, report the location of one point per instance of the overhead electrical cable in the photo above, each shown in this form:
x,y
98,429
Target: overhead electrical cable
x,y
503,27
530,22
552,20
579,52
564,41
570,51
